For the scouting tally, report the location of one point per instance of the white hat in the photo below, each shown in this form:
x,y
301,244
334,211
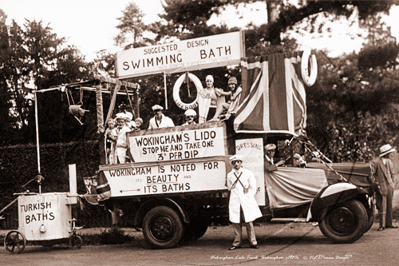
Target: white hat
x,y
157,107
209,77
236,157
129,115
385,149
270,146
120,116
190,112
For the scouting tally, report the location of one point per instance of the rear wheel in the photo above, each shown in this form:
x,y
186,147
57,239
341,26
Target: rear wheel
x,y
163,227
345,222
75,240
15,241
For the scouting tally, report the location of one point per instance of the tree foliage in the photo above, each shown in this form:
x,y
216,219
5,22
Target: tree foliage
x,y
131,27
183,16
32,57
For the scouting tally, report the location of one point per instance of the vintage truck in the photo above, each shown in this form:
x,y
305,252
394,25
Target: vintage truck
x,y
177,198
176,185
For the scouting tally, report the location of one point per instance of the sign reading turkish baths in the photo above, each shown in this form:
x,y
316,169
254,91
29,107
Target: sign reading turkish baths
x,y
252,150
166,177
180,56
158,145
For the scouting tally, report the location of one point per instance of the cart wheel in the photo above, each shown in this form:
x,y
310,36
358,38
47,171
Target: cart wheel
x,y
75,241
15,239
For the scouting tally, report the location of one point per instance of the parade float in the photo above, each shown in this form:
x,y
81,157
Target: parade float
x,y
175,184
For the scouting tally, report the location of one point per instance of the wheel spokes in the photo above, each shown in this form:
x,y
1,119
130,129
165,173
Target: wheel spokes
x,y
15,239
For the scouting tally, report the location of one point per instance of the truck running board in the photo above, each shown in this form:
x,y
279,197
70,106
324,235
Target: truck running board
x,y
288,220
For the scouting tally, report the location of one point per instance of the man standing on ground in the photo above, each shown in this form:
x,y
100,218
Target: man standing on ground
x,y
383,176
243,206
160,120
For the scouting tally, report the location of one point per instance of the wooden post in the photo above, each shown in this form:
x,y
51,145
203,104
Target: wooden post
x,y
136,101
166,91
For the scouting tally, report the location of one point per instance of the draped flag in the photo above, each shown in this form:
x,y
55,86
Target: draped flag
x,y
273,97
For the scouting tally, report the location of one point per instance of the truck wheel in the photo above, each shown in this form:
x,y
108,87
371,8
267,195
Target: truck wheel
x,y
345,223
163,227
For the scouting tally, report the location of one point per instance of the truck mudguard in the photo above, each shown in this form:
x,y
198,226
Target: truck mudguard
x,y
144,208
332,195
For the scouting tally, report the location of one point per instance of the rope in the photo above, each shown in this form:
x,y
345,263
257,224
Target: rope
x,y
322,156
80,96
130,102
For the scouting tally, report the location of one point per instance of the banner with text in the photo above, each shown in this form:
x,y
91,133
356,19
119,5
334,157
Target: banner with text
x,y
177,145
175,177
180,56
252,150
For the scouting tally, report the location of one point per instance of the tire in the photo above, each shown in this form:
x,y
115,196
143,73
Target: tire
x,y
163,227
345,222
196,229
15,242
75,240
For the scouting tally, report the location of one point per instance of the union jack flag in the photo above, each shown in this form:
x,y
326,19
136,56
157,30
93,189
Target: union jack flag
x,y
273,97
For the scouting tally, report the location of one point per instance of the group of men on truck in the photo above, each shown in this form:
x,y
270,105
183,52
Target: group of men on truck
x,y
115,135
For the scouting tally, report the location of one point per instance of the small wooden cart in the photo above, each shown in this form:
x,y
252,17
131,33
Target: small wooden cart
x,y
43,219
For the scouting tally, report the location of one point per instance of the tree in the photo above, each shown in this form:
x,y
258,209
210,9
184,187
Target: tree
x,y
33,55
131,28
184,15
352,111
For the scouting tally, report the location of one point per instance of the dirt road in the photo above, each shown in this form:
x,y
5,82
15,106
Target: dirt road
x,y
280,244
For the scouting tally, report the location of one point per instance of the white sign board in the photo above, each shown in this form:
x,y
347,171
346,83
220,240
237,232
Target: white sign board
x,y
164,145
252,150
48,212
167,177
180,56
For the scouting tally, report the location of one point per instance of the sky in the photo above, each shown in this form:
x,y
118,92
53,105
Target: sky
x,y
90,25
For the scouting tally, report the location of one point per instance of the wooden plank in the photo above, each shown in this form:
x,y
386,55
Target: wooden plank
x,y
117,82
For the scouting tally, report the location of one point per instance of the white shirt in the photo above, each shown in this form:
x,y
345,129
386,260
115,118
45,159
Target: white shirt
x,y
120,133
165,122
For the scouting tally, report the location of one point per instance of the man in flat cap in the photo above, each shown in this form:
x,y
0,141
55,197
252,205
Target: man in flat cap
x,y
243,207
160,120
383,176
190,115
269,160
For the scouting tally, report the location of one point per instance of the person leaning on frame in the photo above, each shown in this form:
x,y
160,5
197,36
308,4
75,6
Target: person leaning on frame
x,y
383,177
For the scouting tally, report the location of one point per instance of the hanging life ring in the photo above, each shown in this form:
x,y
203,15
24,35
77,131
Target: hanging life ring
x,y
176,89
308,79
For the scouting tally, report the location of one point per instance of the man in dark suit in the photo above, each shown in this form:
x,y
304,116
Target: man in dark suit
x,y
383,176
270,150
269,161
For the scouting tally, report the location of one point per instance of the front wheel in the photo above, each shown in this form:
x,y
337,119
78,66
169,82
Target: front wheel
x,y
345,222
163,227
15,241
75,240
